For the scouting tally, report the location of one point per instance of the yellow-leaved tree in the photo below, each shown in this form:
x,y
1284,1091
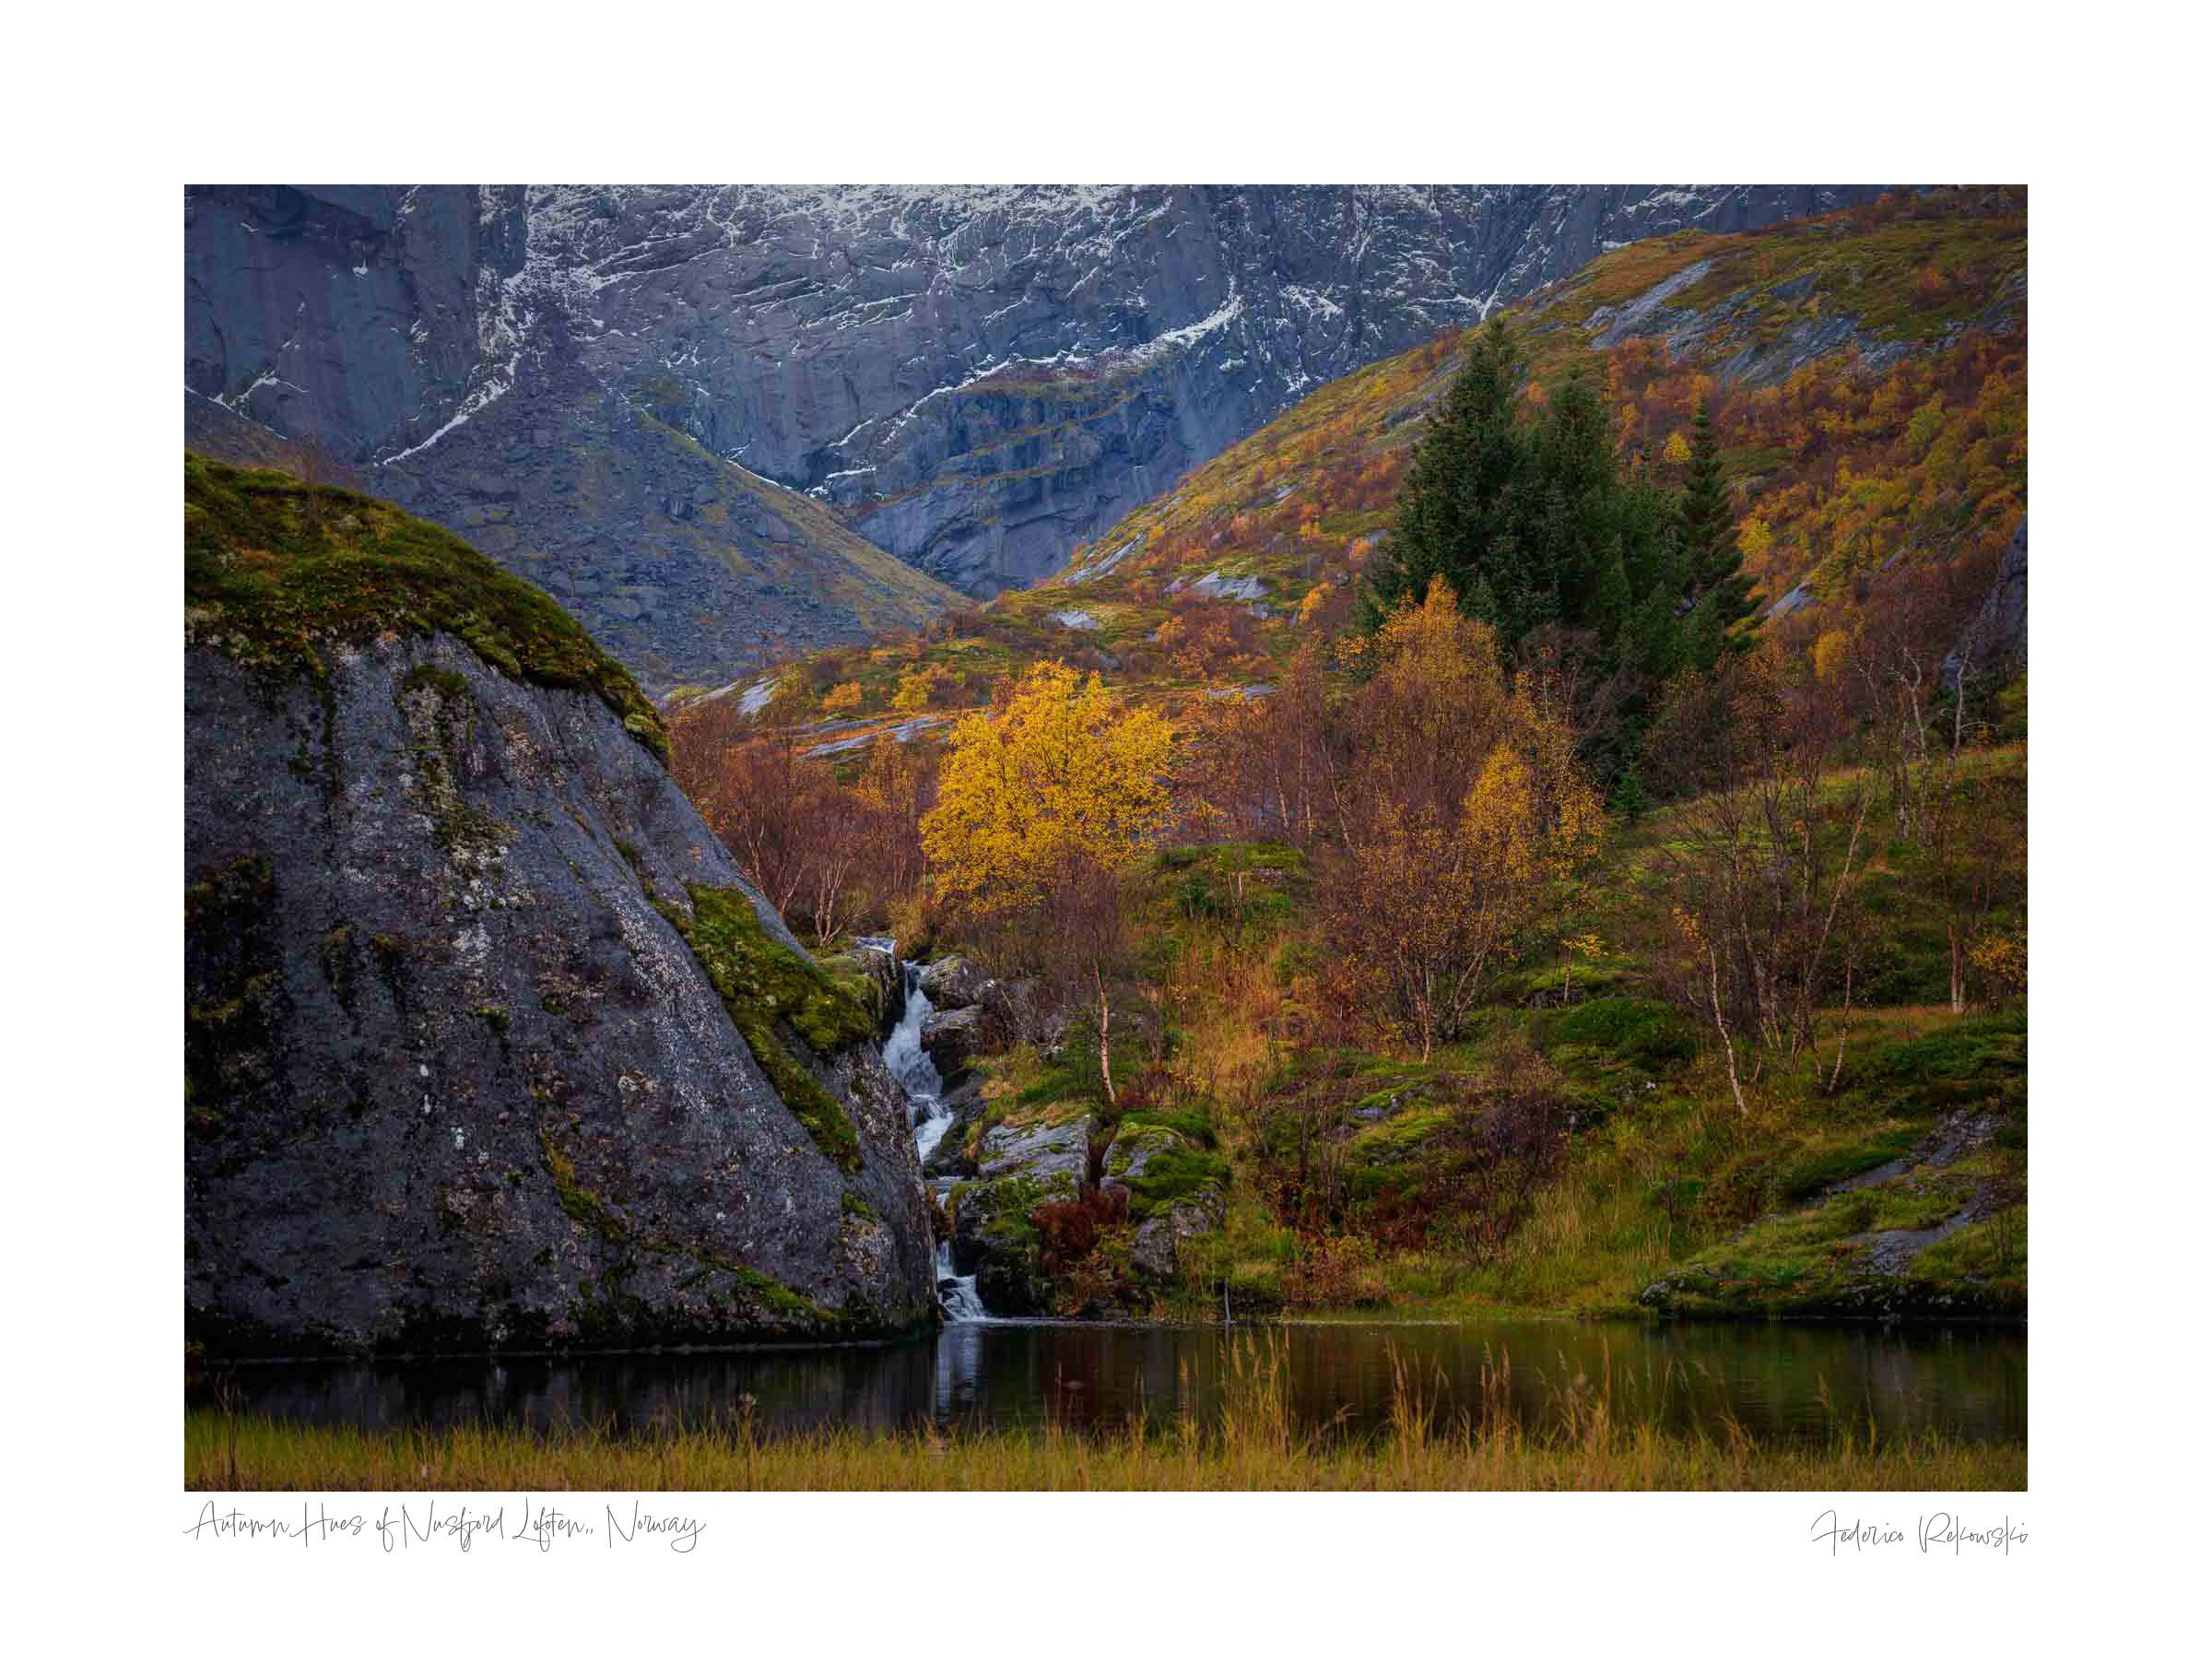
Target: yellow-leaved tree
x,y
1043,800
1465,820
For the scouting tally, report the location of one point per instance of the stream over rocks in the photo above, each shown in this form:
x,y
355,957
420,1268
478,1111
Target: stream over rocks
x,y
1014,1371
931,1117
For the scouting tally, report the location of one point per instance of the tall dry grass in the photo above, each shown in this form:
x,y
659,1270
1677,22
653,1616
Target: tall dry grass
x,y
1255,1442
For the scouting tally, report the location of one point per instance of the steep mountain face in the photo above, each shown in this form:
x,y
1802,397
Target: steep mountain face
x,y
615,391
488,1043
1867,374
411,343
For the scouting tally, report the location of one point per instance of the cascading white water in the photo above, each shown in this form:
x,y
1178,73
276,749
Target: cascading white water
x,y
931,1117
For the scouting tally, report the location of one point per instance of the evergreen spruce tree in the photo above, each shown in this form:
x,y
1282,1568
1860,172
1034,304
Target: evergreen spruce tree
x,y
1536,525
1455,506
1717,584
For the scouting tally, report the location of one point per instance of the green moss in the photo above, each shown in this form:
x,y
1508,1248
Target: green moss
x,y
1396,1137
1647,1034
441,712
609,1304
1060,1081
768,987
1992,1252
1823,1170
1813,1260
276,570
233,987
1193,1122
765,1293
859,1209
1012,1199
1980,1060
1176,1173
581,1205
436,678
856,984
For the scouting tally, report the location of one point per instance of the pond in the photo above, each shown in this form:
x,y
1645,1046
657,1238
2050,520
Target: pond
x,y
1774,1380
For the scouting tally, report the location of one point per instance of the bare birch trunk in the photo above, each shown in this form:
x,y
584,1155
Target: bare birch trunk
x,y
1105,1038
1719,1021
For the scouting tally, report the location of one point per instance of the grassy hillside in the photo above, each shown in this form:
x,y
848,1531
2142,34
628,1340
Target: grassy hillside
x,y
1577,1147
688,568
1763,1051
1365,1179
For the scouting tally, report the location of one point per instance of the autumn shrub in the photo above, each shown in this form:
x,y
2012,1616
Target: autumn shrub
x,y
1084,1252
1462,816
828,855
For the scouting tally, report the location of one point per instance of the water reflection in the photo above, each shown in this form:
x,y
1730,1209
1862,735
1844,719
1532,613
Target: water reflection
x,y
1773,1380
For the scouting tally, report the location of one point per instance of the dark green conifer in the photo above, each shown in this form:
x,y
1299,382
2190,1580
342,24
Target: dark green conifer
x,y
1717,585
1454,506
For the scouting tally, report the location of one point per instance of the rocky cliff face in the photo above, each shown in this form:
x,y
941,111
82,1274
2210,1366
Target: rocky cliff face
x,y
1995,643
617,390
488,1041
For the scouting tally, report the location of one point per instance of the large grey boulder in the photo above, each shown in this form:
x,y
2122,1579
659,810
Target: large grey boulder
x,y
1155,1248
1174,1191
951,1039
1039,1151
1131,1153
993,1236
955,982
488,1043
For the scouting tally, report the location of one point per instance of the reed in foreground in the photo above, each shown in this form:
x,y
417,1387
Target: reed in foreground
x,y
1254,1442
225,1453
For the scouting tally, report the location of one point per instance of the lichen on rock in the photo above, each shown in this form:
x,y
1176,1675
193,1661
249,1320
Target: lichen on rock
x,y
453,1082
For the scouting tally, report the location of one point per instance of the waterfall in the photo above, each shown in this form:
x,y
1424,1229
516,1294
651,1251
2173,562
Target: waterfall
x,y
931,1117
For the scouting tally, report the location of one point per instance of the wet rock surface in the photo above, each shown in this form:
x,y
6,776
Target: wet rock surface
x,y
955,982
993,1236
949,1158
882,969
951,1039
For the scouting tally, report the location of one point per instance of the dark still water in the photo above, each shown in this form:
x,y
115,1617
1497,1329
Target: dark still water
x,y
1773,1380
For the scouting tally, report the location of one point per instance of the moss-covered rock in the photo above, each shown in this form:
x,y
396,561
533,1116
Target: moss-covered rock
x,y
452,1082
772,989
1156,1166
1937,1228
277,571
1172,1184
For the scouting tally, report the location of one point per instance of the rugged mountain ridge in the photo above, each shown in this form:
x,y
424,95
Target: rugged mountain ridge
x,y
488,1041
1868,371
616,390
